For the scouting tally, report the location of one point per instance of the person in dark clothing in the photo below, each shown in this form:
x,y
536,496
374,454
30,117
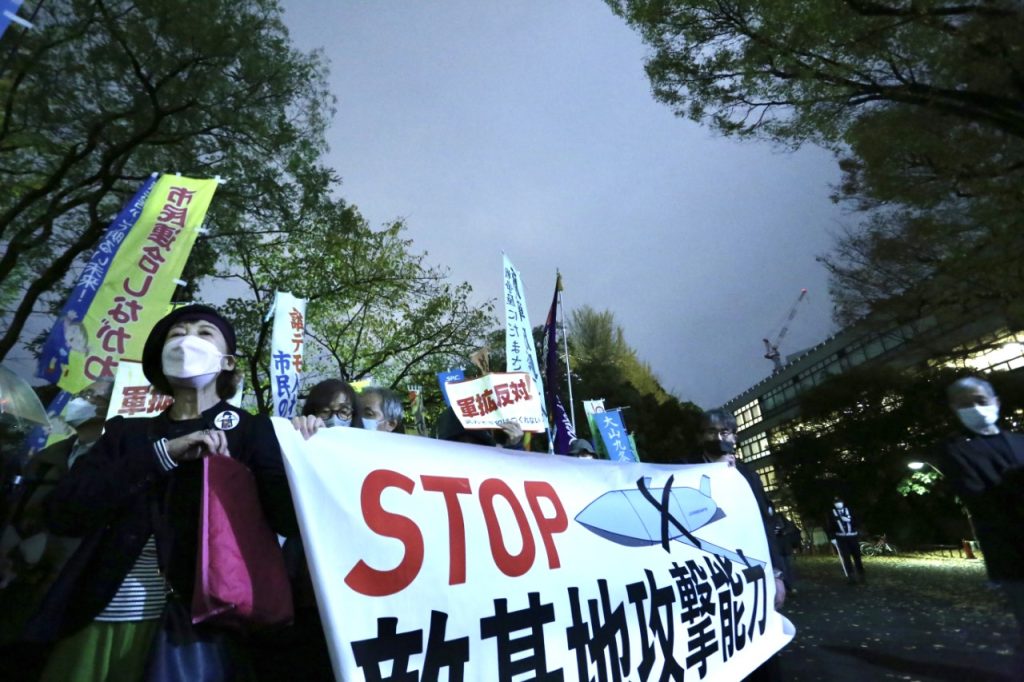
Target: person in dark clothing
x,y
134,499
985,466
842,530
30,565
718,444
787,538
510,435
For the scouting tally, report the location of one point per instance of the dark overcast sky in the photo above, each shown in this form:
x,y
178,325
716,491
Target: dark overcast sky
x,y
529,127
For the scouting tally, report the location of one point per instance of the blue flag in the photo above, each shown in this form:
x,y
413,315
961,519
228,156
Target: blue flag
x,y
613,433
9,13
445,378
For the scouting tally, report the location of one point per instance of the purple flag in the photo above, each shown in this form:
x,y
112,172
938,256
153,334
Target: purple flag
x,y
563,430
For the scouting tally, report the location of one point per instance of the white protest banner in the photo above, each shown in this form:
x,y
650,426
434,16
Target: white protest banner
x,y
134,396
441,560
286,343
496,398
520,352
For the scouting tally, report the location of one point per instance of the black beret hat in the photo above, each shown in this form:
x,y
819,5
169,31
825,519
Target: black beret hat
x,y
152,352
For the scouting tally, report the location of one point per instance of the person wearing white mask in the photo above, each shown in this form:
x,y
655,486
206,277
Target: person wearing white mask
x,y
985,467
381,410
134,498
330,403
843,532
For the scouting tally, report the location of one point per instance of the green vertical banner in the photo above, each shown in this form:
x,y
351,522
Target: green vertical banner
x,y
140,282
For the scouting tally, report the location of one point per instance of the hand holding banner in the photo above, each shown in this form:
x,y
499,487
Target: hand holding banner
x,y
428,562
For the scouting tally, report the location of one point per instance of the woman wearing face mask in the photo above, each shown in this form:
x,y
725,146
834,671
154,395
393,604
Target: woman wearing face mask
x,y
134,498
330,403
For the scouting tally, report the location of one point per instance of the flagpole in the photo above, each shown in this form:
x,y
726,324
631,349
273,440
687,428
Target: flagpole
x,y
568,369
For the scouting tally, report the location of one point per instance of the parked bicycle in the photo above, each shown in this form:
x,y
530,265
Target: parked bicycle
x,y
878,547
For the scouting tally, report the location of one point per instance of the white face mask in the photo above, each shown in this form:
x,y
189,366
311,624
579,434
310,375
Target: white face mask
x,y
335,420
79,411
838,505
370,424
979,418
190,361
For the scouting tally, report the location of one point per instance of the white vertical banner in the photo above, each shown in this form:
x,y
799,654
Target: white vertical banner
x,y
520,352
287,343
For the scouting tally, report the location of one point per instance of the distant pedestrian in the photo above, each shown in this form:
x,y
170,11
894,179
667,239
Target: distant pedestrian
x,y
842,529
787,538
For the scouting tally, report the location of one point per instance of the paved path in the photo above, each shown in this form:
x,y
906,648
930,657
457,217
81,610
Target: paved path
x,y
915,619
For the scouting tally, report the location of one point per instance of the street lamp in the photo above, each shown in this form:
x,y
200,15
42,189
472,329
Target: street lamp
x,y
917,466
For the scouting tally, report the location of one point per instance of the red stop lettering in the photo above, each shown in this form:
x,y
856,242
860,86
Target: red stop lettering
x,y
370,581
450,488
547,526
509,564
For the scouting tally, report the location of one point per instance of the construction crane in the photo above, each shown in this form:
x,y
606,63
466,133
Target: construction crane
x,y
772,347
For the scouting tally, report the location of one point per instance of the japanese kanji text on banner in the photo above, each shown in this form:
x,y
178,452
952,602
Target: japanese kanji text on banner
x,y
444,560
520,352
286,347
140,280
496,398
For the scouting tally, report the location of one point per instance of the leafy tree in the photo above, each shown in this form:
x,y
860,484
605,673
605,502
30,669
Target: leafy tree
x,y
103,92
374,307
806,71
921,101
944,206
605,366
856,435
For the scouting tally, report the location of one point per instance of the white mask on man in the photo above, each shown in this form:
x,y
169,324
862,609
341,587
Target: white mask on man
x,y
979,418
370,424
190,361
79,411
335,420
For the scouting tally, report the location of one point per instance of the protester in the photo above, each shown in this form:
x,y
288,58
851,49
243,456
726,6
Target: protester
x,y
330,403
381,409
985,467
509,435
718,444
32,557
134,498
787,539
582,448
842,530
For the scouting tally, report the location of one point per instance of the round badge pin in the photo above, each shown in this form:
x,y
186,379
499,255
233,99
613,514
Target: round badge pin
x,y
226,420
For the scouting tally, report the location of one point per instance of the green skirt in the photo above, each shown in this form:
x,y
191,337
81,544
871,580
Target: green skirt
x,y
102,652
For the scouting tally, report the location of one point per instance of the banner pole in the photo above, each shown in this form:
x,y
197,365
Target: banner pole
x,y
568,369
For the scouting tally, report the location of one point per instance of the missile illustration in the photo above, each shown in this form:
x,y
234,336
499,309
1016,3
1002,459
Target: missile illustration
x,y
627,517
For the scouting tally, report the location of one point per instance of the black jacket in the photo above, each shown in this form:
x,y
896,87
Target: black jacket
x,y
987,472
118,494
754,481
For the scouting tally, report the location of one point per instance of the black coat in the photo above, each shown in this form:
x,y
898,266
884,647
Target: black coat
x,y
987,472
117,495
754,481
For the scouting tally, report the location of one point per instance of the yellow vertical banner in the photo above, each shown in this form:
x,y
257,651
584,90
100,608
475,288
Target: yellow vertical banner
x,y
137,289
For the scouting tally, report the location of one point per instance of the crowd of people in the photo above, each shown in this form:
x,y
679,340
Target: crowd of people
x,y
101,543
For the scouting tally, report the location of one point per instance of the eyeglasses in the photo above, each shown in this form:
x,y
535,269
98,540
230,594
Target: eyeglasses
x,y
724,433
342,412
